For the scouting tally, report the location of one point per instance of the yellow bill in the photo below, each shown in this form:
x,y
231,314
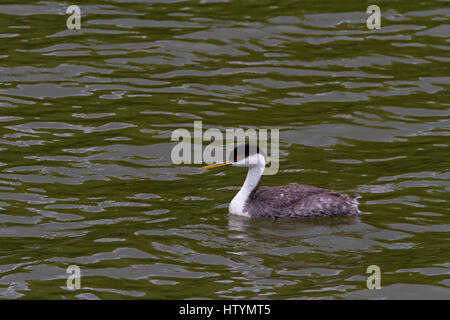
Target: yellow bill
x,y
217,165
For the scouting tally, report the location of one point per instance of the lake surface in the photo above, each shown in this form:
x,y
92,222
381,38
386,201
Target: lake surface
x,y
86,176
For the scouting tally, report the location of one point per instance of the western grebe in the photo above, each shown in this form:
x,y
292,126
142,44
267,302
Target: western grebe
x,y
289,201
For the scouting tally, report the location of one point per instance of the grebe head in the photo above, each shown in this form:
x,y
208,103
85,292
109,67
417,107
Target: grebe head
x,y
247,155
244,155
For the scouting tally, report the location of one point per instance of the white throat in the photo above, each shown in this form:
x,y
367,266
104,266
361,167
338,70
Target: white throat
x,y
254,174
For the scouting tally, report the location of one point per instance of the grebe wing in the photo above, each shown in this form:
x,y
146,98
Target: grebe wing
x,y
285,196
296,200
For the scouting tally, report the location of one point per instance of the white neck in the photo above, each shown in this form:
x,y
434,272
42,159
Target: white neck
x,y
251,183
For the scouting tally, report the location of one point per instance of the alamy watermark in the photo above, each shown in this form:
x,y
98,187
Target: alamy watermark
x,y
189,149
74,20
374,20
374,281
74,280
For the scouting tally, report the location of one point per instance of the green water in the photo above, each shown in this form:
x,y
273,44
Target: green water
x,y
86,176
